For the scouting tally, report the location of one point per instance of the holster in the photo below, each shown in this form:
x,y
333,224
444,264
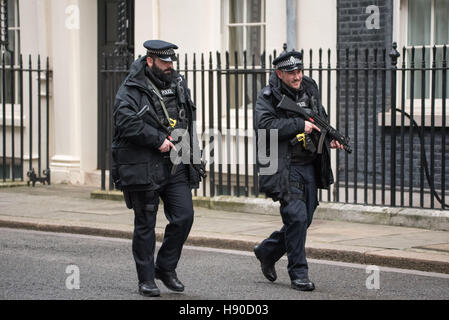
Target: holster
x,y
141,201
128,200
306,141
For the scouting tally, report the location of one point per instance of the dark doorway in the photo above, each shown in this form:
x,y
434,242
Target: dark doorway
x,y
115,53
115,26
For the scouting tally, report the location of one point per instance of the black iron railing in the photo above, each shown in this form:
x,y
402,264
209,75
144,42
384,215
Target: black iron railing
x,y
25,120
371,95
114,69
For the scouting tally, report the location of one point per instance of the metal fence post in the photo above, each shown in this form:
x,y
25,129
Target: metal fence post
x,y
394,55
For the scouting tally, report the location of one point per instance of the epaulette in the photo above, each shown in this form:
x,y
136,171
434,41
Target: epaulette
x,y
266,91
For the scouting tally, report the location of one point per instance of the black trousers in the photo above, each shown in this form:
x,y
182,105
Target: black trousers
x,y
297,214
178,208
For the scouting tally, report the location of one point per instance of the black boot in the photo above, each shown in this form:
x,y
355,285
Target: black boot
x,y
149,289
170,279
303,284
268,269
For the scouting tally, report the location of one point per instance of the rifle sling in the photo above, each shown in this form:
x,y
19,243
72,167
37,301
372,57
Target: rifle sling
x,y
158,94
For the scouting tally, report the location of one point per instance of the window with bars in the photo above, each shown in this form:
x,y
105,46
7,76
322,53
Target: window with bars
x,y
245,32
246,29
8,171
10,47
428,26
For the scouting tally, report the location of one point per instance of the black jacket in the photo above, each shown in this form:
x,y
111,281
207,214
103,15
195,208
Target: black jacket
x,y
268,117
136,159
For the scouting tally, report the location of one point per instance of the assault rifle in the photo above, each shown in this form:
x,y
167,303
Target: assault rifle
x,y
288,104
198,164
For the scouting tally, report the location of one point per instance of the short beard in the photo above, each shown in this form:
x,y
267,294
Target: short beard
x,y
161,75
291,89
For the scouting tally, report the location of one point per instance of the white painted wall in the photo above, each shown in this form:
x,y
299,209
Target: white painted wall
x,y
67,95
75,91
146,23
317,24
88,85
276,28
194,25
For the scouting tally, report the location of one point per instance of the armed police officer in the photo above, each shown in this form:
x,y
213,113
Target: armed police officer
x,y
301,167
151,103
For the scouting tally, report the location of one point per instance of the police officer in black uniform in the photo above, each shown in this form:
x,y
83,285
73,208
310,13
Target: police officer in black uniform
x,y
151,102
300,169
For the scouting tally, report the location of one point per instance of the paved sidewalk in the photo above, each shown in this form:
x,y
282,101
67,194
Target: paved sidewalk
x,y
67,208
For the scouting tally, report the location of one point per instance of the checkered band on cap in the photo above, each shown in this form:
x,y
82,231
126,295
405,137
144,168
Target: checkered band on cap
x,y
165,52
293,61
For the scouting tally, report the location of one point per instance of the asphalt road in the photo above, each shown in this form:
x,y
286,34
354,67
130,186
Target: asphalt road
x,y
43,266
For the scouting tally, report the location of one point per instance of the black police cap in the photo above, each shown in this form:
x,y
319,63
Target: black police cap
x,y
289,61
162,49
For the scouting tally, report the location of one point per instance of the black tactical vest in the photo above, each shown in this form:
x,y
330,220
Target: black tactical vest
x,y
174,101
299,154
176,109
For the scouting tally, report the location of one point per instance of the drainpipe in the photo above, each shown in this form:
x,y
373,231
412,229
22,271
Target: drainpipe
x,y
291,24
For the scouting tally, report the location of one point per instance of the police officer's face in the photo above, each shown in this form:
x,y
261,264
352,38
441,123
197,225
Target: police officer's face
x,y
162,68
291,78
165,66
